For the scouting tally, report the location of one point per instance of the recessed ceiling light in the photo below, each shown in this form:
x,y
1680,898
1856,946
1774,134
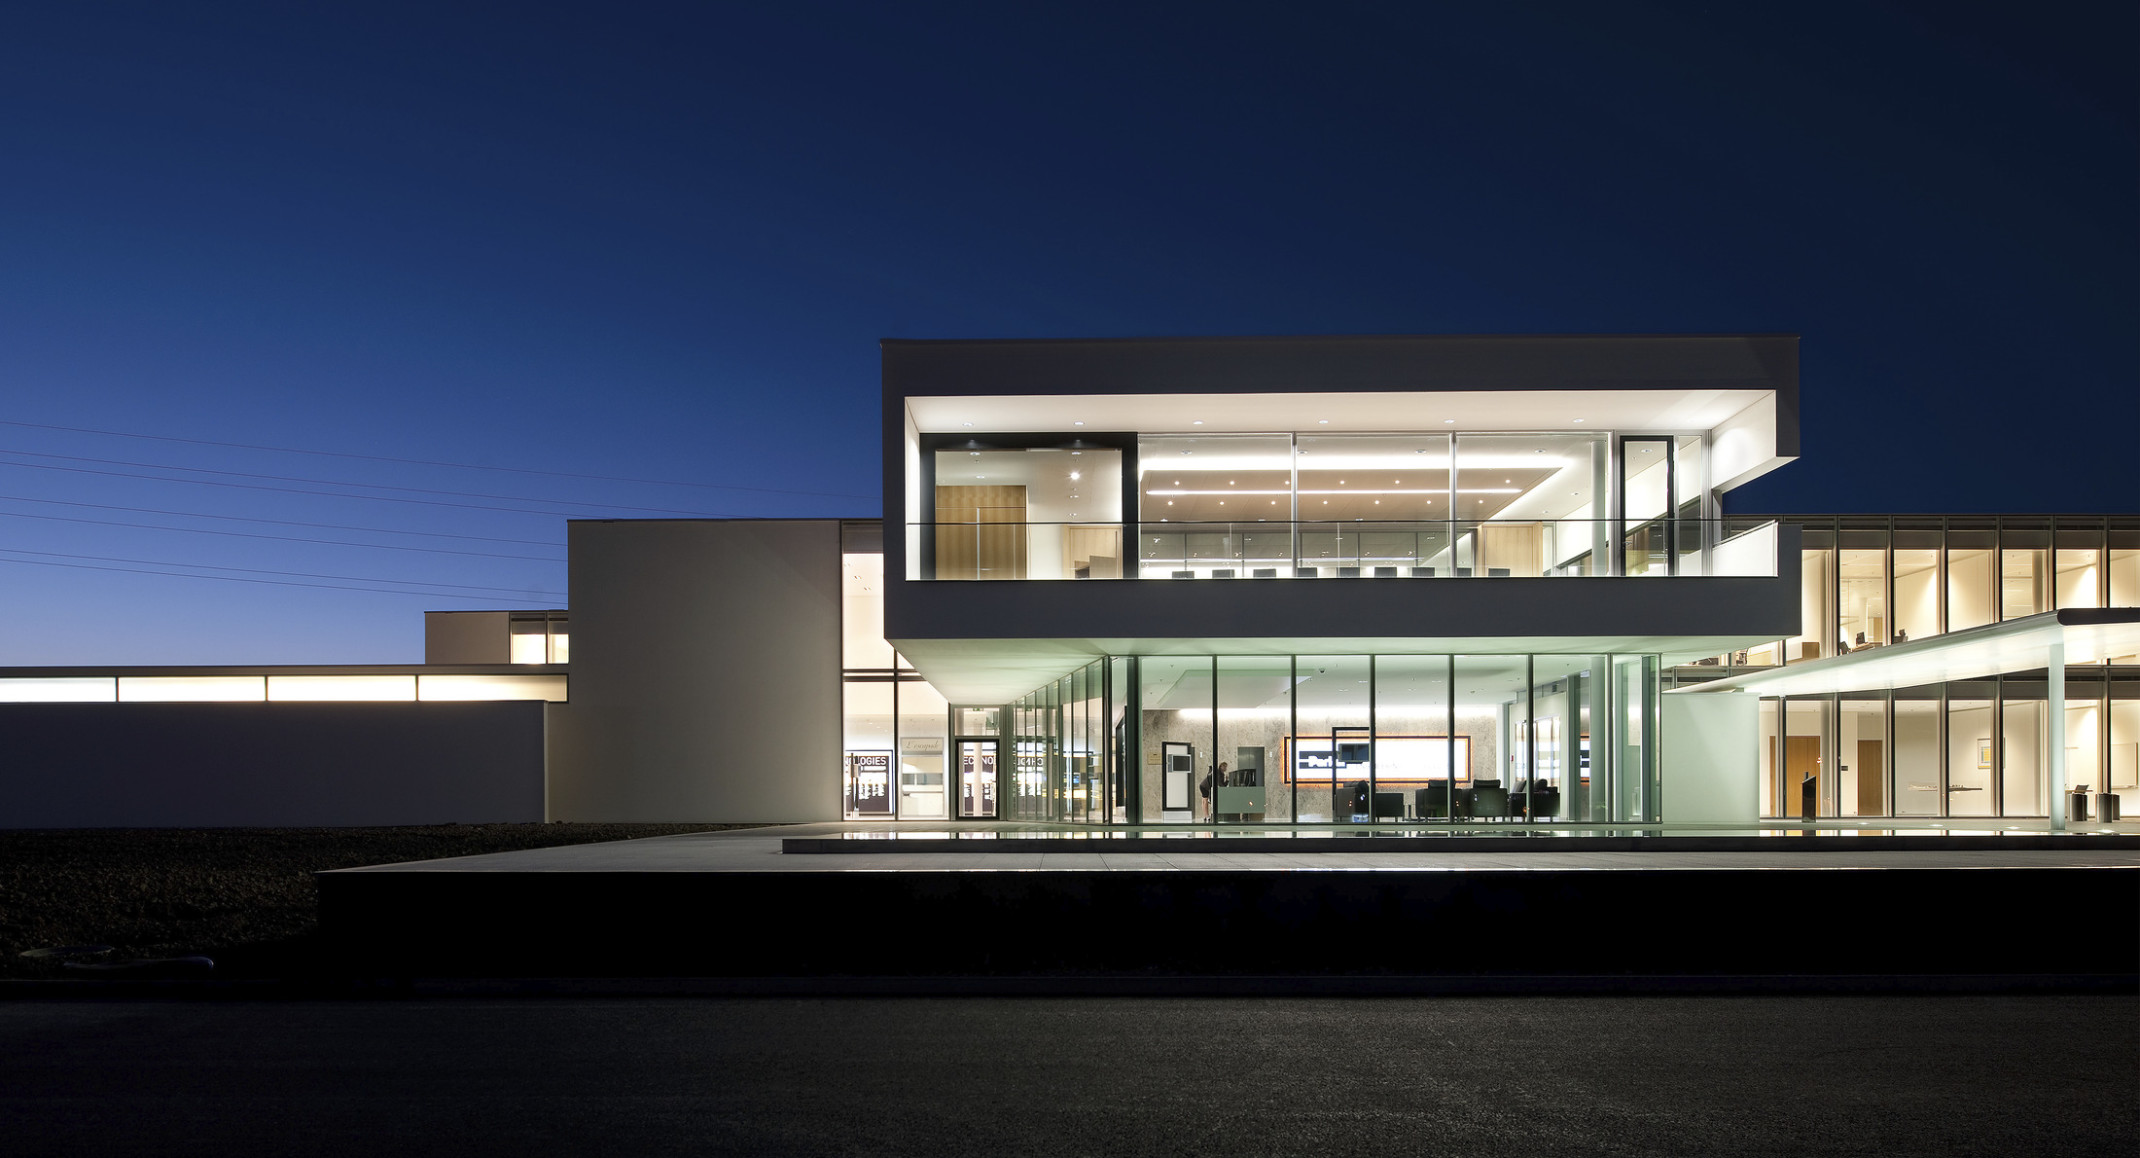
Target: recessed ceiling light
x,y
1322,422
1198,422
967,424
1073,476
1449,421
1077,424
1578,420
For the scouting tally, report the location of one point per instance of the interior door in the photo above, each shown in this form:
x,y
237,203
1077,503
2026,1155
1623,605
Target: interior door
x,y
977,779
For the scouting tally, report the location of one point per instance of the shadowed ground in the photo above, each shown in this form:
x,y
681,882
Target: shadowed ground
x,y
161,892
1786,1076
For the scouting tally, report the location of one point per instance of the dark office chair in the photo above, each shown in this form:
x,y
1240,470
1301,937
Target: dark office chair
x,y
1422,572
1431,802
1489,800
1303,572
1264,573
1497,572
1348,572
1389,806
1185,575
1385,572
1223,573
1463,572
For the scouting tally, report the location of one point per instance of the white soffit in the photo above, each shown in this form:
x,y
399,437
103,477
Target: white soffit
x,y
2090,636
994,671
1465,410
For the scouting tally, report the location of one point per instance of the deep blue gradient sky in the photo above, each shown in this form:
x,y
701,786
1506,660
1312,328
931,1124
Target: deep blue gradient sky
x,y
661,243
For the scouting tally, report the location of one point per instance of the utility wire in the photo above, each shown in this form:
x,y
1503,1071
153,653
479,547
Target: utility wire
x,y
341,483
323,494
277,538
278,522
428,462
295,574
240,579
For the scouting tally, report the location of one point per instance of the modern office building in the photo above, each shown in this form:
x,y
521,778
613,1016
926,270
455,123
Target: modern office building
x,y
1379,580
1345,581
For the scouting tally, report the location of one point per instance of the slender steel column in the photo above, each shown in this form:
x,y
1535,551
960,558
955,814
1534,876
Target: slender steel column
x,y
2054,703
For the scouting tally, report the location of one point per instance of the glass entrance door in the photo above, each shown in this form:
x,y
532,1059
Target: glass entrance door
x,y
977,779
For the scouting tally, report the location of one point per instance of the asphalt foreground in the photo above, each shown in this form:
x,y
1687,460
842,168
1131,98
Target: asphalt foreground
x,y
994,1076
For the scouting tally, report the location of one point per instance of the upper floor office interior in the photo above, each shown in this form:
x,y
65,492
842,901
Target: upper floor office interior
x,y
1399,457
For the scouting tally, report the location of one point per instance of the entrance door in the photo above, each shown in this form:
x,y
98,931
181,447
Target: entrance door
x,y
977,779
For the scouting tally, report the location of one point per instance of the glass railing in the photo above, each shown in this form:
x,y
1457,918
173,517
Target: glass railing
x,y
1453,549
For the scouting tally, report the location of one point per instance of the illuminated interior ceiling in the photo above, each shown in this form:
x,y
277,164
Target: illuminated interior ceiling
x,y
996,671
2088,635
1649,411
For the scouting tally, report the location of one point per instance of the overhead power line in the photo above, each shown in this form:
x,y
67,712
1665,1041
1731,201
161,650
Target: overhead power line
x,y
278,538
279,522
429,462
268,582
293,574
343,483
204,482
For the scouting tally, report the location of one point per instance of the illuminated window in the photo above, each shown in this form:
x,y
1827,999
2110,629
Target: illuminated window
x,y
192,689
437,688
66,690
380,688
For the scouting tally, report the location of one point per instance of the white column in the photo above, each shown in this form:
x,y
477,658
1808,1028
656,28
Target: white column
x,y
2054,703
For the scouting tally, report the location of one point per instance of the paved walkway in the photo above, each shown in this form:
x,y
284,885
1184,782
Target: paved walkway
x,y
759,850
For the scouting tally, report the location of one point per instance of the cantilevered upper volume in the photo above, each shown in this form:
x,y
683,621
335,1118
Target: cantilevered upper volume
x,y
1503,461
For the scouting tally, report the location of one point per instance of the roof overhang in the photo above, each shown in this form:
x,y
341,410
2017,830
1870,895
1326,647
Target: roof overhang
x,y
994,671
2087,635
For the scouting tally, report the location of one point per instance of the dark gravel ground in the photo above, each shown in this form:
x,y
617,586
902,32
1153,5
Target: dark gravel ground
x,y
243,896
990,1077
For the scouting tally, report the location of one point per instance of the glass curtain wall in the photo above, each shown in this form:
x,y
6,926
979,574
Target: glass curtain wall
x,y
1895,580
1920,784
1235,495
1972,597
1332,751
2124,745
1415,749
924,723
1348,739
1255,712
1969,749
1384,505
1532,504
1043,512
1862,757
1564,687
1174,713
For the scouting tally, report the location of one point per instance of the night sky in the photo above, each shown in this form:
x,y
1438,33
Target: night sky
x,y
381,244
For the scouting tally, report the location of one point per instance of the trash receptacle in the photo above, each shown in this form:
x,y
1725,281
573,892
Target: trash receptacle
x,y
2077,806
2106,807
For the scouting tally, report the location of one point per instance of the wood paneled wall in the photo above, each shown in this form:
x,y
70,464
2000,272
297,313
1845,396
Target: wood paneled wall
x,y
980,532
